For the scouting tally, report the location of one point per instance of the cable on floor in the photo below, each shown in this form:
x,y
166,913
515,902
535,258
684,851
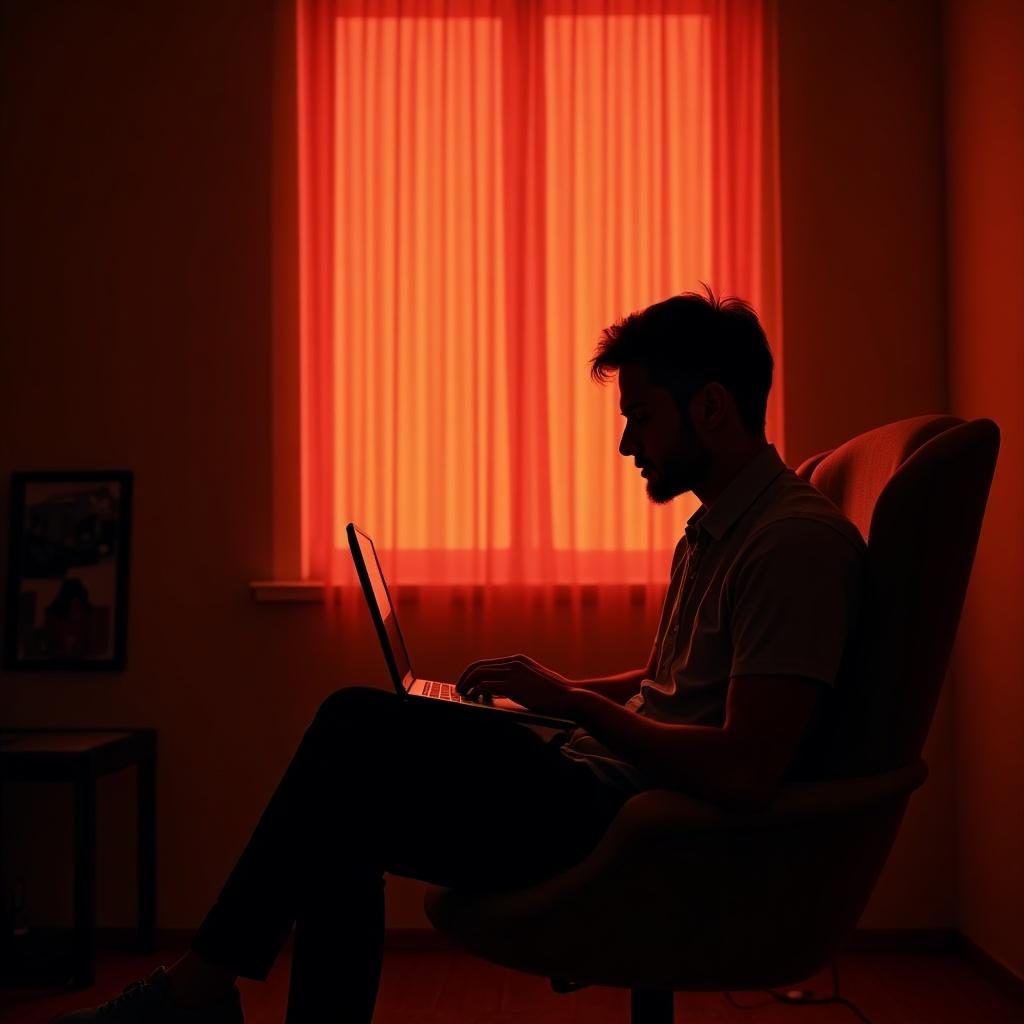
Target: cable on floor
x,y
799,997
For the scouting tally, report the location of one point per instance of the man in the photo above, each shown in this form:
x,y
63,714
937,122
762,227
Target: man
x,y
763,595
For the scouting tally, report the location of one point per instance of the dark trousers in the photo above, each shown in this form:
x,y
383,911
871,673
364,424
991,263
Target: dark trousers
x,y
414,788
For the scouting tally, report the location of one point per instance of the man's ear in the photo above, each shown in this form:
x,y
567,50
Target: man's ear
x,y
712,404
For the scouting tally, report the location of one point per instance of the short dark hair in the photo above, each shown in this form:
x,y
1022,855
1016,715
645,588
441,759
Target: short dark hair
x,y
689,340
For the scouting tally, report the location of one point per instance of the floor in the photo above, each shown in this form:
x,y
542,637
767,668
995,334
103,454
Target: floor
x,y
453,988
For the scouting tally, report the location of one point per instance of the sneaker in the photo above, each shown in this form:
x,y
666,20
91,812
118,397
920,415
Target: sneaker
x,y
148,1002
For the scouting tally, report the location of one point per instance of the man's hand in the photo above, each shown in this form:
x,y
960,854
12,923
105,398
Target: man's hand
x,y
520,678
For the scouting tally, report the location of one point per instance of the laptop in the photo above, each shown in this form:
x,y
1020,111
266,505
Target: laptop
x,y
407,684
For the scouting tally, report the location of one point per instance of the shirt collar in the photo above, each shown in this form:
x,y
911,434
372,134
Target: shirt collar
x,y
740,493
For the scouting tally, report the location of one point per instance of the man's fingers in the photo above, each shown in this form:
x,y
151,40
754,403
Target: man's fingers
x,y
473,671
482,688
468,673
484,684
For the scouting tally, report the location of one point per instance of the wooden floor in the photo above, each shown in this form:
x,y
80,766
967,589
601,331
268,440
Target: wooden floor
x,y
453,988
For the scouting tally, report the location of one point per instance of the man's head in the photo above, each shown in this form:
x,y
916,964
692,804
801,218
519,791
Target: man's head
x,y
694,376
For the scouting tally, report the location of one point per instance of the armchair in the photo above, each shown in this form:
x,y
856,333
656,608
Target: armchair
x,y
681,895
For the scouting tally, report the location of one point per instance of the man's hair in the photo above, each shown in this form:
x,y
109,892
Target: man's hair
x,y
689,340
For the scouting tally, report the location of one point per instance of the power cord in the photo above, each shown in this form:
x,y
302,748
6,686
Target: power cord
x,y
800,997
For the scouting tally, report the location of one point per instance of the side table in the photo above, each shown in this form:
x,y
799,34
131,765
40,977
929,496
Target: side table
x,y
81,756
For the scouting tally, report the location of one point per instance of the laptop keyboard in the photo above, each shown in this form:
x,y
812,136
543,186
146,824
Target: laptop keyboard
x,y
447,691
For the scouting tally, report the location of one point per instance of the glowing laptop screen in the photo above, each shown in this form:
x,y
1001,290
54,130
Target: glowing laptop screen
x,y
382,600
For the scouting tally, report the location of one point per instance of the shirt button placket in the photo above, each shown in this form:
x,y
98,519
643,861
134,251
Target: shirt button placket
x,y
694,561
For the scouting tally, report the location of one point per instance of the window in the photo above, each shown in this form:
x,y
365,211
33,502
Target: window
x,y
483,188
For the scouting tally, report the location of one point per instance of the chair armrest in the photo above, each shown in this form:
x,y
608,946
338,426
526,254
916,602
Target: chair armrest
x,y
682,894
661,814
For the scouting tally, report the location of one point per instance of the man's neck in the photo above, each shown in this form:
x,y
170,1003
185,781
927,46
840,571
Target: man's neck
x,y
725,469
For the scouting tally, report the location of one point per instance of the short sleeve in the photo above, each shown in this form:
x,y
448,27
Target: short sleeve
x,y
794,596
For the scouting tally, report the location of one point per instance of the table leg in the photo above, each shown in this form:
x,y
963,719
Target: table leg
x,y
84,955
147,854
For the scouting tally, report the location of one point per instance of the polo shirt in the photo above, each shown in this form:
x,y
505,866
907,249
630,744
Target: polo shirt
x,y
767,580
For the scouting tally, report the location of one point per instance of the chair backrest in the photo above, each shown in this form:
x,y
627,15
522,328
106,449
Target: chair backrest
x,y
916,489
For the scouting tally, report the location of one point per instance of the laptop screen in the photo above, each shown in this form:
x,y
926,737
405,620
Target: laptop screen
x,y
395,654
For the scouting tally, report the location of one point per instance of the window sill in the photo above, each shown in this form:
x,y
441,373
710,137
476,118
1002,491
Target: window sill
x,y
290,591
312,591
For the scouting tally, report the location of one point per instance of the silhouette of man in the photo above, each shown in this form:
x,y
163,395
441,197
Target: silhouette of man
x,y
763,592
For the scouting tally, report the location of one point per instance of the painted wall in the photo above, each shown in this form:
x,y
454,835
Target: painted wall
x,y
985,146
864,320
136,297
862,207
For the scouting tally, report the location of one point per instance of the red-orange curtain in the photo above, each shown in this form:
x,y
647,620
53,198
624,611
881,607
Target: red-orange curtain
x,y
484,186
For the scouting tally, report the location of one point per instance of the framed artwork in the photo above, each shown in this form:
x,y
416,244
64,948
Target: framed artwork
x,y
67,582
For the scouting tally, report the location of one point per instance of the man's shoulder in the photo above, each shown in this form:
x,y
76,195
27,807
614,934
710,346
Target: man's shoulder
x,y
799,513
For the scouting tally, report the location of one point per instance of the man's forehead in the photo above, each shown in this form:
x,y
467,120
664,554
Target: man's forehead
x,y
635,388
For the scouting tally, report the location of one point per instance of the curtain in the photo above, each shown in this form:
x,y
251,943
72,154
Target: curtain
x,y
484,186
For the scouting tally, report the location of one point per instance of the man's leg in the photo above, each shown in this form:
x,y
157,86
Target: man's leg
x,y
379,784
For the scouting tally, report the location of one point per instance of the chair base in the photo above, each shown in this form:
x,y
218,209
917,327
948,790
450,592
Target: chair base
x,y
644,1007
650,1007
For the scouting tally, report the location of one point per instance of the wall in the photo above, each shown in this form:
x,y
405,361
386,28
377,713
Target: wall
x,y
136,296
863,277
862,209
137,303
136,284
985,146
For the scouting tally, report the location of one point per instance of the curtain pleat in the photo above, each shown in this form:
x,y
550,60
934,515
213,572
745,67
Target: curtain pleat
x,y
485,186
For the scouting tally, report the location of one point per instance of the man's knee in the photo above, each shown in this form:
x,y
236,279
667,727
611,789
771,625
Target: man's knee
x,y
351,701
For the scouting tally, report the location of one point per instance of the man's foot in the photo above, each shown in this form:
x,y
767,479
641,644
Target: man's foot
x,y
149,1002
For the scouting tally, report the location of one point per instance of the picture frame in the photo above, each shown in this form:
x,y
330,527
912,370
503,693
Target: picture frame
x,y
67,574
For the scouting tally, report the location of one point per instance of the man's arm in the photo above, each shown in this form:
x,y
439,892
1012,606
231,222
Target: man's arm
x,y
621,687
739,766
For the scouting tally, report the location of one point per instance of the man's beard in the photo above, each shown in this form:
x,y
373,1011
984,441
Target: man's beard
x,y
679,476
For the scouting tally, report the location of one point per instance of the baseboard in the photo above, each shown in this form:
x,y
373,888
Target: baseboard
x,y
903,940
863,940
998,975
422,940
